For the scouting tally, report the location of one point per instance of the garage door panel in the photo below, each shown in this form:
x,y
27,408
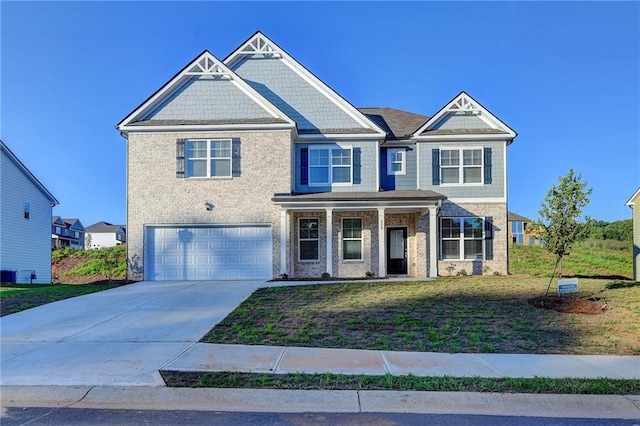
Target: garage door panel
x,y
209,252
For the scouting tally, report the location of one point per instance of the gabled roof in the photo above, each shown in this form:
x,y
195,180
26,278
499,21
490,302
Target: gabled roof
x,y
104,227
74,223
515,217
57,220
634,198
463,115
28,174
314,106
208,82
396,123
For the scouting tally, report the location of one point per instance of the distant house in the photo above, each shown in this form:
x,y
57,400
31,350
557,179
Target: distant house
x,y
104,234
67,233
25,206
634,203
519,230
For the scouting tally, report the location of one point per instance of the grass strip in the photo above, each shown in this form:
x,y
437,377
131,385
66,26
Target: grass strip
x,y
329,381
19,297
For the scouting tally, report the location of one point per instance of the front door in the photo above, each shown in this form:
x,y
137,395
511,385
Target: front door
x,y
396,251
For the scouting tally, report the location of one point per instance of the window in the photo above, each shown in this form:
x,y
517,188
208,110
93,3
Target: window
x,y
462,238
396,161
308,239
327,166
352,239
517,232
27,210
208,158
58,230
461,166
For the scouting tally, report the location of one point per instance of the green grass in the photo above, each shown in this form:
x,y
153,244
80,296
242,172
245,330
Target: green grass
x,y
589,258
328,381
450,314
18,297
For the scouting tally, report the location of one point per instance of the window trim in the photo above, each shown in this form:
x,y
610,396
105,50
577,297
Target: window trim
x,y
353,239
300,239
461,239
329,148
461,166
403,162
208,158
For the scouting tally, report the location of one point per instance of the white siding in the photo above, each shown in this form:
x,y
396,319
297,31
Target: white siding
x,y
25,244
100,239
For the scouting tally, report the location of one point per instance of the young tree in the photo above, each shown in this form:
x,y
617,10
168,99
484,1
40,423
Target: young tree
x,y
561,221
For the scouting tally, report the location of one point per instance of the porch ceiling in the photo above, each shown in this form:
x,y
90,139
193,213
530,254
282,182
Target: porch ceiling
x,y
405,200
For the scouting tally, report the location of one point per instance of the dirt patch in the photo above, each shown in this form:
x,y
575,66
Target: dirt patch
x,y
592,306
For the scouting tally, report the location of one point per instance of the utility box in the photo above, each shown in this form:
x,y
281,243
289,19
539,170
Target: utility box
x,y
8,276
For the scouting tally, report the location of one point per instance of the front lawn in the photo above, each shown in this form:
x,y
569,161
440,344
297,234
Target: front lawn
x,y
453,314
18,297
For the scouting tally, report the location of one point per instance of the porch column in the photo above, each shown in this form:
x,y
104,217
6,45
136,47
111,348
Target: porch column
x,y
433,242
382,245
329,212
283,241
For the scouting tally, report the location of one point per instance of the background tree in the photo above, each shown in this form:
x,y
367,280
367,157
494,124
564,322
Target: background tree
x,y
561,221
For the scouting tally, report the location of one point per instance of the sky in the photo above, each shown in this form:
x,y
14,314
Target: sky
x,y
564,75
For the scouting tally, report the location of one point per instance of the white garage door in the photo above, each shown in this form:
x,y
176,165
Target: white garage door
x,y
208,252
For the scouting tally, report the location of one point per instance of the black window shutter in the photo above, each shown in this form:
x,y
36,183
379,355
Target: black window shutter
x,y
487,166
357,166
235,157
488,238
304,166
180,160
435,166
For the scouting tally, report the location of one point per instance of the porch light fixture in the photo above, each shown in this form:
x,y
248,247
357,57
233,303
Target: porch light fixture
x,y
208,206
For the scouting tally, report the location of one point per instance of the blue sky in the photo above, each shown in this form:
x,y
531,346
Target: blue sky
x,y
564,75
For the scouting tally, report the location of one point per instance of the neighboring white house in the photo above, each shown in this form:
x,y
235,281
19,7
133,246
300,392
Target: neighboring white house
x,y
634,203
104,234
25,222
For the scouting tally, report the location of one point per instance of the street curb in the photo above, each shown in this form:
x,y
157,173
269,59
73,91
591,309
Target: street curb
x,y
327,401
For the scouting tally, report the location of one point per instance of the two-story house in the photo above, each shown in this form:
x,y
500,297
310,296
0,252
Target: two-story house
x,y
25,209
67,233
252,167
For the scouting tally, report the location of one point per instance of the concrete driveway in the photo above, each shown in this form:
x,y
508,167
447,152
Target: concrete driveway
x,y
121,336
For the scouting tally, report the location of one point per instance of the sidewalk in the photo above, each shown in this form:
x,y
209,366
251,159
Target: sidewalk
x,y
282,360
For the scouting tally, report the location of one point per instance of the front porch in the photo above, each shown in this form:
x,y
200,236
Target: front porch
x,y
363,234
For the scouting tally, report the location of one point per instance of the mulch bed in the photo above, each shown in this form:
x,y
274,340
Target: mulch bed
x,y
591,306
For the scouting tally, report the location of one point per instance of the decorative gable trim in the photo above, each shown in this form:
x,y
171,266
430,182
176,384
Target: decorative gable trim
x,y
464,104
259,44
208,66
634,198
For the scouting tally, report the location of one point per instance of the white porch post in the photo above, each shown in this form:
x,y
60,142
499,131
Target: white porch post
x,y
433,242
382,245
283,241
329,241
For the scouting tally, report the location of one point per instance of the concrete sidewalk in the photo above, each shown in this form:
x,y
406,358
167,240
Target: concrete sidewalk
x,y
282,360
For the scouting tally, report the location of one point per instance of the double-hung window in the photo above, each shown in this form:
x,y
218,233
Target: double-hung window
x,y
517,232
461,166
352,238
462,238
208,158
329,165
308,239
396,161
27,210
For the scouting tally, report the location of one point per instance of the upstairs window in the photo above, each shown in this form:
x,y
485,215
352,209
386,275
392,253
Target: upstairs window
x,y
461,166
396,161
329,165
27,210
208,158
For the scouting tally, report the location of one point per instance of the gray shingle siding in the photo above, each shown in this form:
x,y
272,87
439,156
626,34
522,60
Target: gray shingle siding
x,y
309,108
395,182
493,190
202,99
367,170
461,122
